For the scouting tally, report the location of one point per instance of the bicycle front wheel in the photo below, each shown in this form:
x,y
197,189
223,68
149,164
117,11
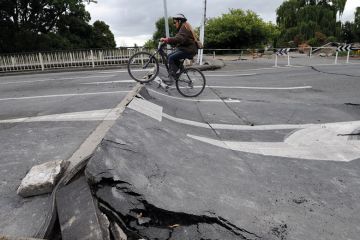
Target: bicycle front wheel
x,y
143,67
191,82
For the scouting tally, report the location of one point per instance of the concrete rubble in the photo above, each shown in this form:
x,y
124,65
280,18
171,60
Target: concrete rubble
x,y
41,179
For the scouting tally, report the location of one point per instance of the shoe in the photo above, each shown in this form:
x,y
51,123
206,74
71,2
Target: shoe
x,y
169,82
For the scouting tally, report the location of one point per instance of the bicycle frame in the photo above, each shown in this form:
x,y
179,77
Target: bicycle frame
x,y
185,79
163,55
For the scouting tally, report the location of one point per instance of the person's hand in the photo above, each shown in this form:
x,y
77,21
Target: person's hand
x,y
164,40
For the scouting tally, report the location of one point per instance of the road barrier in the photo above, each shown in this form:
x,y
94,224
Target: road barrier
x,y
282,52
43,61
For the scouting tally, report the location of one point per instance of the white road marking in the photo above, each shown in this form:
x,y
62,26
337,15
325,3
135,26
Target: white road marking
x,y
110,72
108,82
235,127
63,95
186,122
327,142
232,75
260,69
97,115
147,108
52,79
195,100
261,88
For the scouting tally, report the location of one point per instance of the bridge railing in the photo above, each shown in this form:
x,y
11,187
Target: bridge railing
x,y
65,59
42,61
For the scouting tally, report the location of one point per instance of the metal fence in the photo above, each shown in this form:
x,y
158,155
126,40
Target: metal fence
x,y
291,56
113,57
65,59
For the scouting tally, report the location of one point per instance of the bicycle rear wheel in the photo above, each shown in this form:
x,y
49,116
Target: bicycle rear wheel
x,y
191,82
143,67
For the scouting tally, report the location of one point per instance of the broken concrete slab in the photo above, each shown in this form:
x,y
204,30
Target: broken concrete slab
x,y
144,183
78,214
163,184
41,179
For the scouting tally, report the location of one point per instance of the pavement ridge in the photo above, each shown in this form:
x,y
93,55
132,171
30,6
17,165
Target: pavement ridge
x,y
79,158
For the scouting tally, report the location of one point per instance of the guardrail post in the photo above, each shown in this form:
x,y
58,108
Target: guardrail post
x,y
336,57
71,59
276,60
41,62
310,55
214,54
348,57
288,55
12,61
92,58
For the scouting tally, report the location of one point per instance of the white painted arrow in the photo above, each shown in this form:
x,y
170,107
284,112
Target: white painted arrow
x,y
328,142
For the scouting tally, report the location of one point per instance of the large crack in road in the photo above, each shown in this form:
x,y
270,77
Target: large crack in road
x,y
138,217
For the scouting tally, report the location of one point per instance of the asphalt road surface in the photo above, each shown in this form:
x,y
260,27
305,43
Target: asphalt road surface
x,y
46,117
261,154
281,147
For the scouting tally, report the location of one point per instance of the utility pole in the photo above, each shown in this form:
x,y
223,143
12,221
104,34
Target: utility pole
x,y
166,20
202,35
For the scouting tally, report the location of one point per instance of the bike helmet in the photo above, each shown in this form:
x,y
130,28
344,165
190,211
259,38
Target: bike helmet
x,y
180,17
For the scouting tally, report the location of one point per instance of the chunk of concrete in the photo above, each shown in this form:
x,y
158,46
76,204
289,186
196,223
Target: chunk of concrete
x,y
41,179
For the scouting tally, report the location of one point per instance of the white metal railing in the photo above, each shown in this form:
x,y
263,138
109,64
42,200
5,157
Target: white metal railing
x,y
312,55
108,57
65,59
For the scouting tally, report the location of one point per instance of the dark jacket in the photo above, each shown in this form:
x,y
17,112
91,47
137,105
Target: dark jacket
x,y
184,41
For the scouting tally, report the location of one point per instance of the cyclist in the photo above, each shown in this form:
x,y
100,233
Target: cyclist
x,y
184,41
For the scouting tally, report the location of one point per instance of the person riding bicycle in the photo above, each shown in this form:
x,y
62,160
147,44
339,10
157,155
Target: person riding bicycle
x,y
184,41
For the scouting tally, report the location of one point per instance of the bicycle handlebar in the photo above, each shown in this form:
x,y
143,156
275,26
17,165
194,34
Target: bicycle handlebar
x,y
161,45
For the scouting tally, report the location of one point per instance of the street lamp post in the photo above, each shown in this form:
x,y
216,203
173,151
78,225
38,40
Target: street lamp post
x,y
167,32
202,36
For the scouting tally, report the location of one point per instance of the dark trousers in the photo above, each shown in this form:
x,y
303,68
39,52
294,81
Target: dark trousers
x,y
174,60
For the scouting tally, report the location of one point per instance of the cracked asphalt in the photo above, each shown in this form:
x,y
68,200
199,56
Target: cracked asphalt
x,y
266,155
263,153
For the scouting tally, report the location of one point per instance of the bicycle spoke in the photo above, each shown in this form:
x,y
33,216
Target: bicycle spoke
x,y
191,83
143,67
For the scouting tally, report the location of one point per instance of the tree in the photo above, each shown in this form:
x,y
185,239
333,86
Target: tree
x,y
29,25
357,25
306,17
160,32
348,33
238,29
102,37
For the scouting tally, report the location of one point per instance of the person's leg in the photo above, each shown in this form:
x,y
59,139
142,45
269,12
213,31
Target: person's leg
x,y
174,63
174,60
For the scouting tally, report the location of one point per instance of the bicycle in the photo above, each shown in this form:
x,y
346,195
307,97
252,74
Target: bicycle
x,y
143,67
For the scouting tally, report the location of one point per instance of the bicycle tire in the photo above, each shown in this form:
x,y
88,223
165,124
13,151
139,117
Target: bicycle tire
x,y
143,67
191,82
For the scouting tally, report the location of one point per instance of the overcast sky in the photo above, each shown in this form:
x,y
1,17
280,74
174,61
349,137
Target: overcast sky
x,y
133,21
